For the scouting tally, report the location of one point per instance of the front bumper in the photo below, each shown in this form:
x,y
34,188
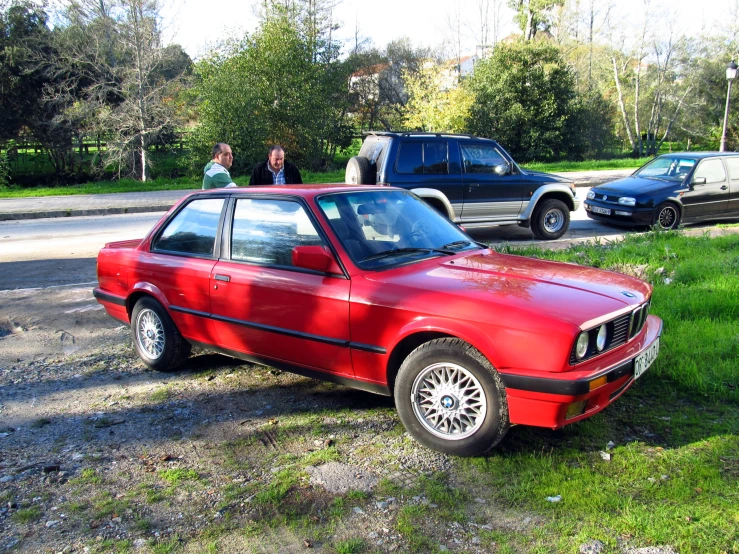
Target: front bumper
x,y
543,402
635,217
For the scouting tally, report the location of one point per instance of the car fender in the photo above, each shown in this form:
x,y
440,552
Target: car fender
x,y
677,200
557,190
436,195
150,290
463,330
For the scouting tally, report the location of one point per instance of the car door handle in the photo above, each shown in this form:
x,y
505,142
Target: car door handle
x,y
224,278
724,187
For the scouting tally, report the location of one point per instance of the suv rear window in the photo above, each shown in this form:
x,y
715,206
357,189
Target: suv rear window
x,y
430,158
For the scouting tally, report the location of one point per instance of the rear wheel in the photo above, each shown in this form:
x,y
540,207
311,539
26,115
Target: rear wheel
x,y
550,220
155,336
451,399
666,216
359,171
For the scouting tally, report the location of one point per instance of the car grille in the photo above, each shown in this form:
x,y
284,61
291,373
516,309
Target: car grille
x,y
620,331
606,197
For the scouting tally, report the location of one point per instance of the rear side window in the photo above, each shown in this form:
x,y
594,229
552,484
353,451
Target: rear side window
x,y
193,230
712,170
733,165
429,158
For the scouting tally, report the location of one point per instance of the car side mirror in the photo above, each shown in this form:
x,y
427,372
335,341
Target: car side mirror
x,y
316,258
698,181
502,169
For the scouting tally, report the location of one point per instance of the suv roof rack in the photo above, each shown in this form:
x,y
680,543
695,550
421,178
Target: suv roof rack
x,y
420,134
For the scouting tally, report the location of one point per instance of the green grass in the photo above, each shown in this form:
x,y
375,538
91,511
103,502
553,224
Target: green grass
x,y
178,476
27,515
672,478
351,546
589,165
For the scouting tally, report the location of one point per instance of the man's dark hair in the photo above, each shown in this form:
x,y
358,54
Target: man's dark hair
x,y
275,147
217,149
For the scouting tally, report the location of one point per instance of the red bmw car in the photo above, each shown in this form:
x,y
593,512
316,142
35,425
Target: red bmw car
x,y
372,288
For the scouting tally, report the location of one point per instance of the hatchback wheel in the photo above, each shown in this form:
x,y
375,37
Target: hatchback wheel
x,y
451,399
155,336
666,216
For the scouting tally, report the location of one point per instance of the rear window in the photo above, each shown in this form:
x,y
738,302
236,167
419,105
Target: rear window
x,y
193,230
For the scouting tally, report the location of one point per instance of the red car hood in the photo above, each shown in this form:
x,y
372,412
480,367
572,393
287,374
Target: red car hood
x,y
485,285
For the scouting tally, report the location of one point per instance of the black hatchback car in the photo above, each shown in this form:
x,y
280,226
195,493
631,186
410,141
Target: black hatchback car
x,y
683,187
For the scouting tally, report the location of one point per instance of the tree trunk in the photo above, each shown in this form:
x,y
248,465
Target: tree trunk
x,y
621,105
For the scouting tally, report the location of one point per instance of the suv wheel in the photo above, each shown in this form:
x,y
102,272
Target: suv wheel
x,y
550,219
359,172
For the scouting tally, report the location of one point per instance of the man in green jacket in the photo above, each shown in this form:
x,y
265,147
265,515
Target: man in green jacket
x,y
215,173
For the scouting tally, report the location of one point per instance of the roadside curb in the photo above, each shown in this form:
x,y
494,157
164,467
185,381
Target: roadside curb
x,y
13,216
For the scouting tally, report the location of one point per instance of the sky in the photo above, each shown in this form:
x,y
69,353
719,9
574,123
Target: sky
x,y
197,25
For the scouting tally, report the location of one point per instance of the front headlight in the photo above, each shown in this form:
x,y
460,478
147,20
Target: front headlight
x,y
581,348
591,194
627,201
600,340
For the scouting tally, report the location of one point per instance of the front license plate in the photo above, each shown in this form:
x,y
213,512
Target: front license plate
x,y
599,210
645,359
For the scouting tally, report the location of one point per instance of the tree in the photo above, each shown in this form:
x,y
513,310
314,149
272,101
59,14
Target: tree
x,y
525,98
274,87
112,61
436,103
22,30
533,15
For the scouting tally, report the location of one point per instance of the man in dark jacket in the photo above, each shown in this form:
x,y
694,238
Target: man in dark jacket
x,y
275,170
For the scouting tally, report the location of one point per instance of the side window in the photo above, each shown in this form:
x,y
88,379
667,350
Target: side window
x,y
435,158
266,231
193,230
480,158
410,158
733,165
430,158
712,170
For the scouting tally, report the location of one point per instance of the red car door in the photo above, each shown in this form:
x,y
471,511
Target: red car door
x,y
262,305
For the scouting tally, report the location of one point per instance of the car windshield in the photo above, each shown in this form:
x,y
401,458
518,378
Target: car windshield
x,y
385,228
669,168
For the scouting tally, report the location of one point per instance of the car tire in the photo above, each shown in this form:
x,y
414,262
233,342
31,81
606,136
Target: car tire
x,y
550,220
451,399
359,171
155,336
666,216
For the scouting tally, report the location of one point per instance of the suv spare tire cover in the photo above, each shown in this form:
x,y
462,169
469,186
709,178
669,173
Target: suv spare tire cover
x,y
359,171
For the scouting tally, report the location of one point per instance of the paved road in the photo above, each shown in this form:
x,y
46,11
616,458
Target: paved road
x,y
61,251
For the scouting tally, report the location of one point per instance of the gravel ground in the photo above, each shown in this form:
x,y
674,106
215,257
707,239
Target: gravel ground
x,y
100,454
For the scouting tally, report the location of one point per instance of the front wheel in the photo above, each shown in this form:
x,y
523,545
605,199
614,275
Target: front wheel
x,y
451,399
666,216
155,336
550,220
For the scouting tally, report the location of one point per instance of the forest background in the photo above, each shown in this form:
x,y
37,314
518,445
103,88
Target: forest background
x,y
90,90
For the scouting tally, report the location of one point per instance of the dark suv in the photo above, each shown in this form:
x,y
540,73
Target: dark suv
x,y
471,180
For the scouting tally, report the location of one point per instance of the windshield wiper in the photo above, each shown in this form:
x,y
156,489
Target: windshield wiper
x,y
401,251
